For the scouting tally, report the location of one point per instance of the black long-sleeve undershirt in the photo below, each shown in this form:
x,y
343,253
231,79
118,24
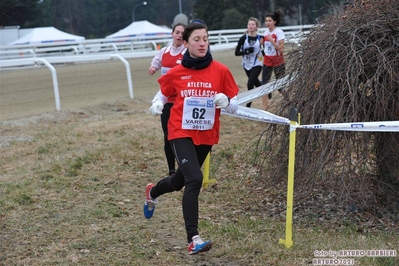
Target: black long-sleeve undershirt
x,y
239,48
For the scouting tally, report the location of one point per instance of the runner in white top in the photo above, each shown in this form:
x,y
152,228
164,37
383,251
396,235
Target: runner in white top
x,y
249,46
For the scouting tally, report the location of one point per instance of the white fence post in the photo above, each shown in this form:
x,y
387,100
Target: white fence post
x,y
55,82
128,74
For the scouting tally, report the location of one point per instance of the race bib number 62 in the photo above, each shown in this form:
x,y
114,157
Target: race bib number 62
x,y
198,113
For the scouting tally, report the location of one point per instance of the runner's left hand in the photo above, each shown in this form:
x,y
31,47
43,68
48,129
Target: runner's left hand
x,y
221,100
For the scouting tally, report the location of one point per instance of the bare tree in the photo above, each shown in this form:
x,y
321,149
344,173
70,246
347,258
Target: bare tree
x,y
347,70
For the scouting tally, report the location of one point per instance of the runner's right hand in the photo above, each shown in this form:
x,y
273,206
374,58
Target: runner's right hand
x,y
156,108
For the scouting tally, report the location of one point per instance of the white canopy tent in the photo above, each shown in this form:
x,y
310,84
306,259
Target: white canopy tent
x,y
141,28
44,35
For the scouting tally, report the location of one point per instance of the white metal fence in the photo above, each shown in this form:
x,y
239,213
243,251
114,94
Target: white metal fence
x,y
219,39
119,48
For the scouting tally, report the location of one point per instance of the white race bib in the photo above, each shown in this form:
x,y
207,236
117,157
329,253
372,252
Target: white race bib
x,y
164,70
198,113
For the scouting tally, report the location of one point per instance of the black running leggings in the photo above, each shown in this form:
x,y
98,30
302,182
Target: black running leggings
x,y
190,158
253,80
170,157
279,72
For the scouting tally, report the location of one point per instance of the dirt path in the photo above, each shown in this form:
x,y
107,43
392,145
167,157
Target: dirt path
x,y
29,91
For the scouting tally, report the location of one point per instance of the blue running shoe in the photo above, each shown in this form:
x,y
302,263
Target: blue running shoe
x,y
149,204
198,245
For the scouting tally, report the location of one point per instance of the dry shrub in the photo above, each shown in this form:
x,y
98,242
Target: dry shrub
x,y
347,70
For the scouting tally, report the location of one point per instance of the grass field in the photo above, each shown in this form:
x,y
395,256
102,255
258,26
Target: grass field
x,y
72,183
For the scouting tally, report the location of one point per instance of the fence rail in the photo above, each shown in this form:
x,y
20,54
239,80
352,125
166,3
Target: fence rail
x,y
124,46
